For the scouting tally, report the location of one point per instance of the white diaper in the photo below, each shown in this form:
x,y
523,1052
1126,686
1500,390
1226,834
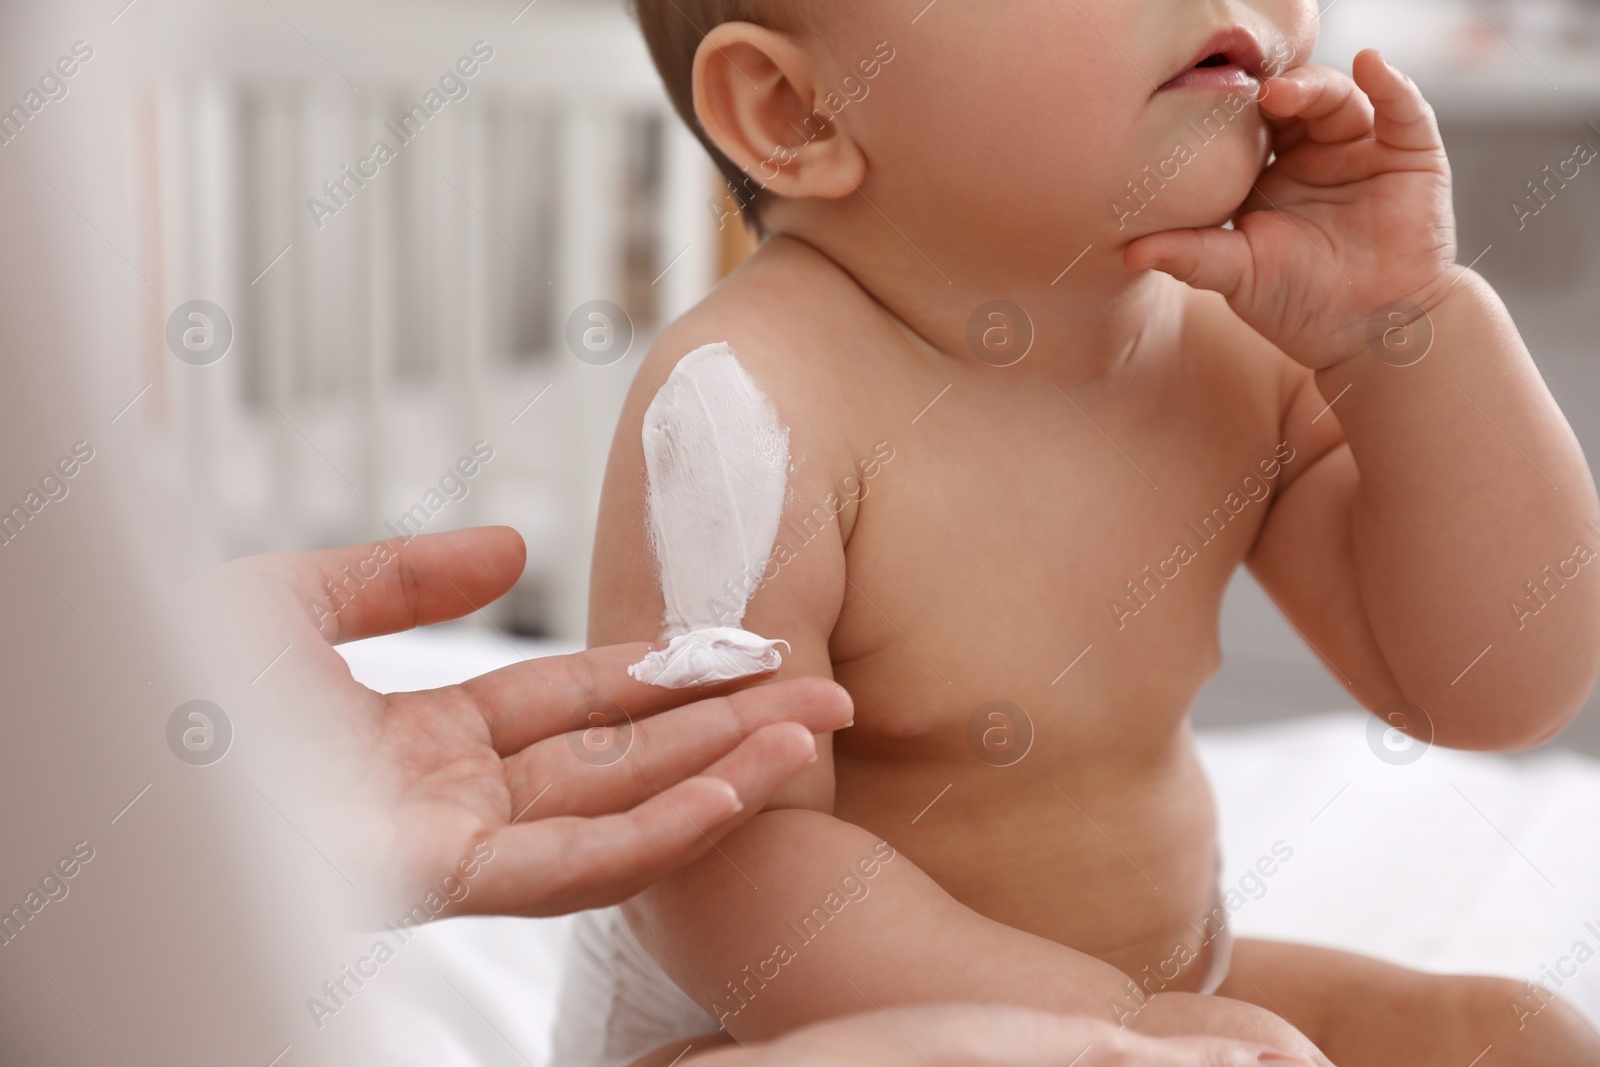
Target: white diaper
x,y
617,1004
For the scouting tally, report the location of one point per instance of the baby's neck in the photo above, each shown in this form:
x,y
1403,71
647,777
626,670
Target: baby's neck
x,y
1087,312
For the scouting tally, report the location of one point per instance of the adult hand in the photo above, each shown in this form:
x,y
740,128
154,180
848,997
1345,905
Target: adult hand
x,y
991,1035
581,807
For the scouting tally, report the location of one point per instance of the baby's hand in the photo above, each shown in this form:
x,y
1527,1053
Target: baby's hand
x,y
1352,215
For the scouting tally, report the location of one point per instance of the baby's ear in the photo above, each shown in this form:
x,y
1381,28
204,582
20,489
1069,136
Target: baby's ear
x,y
759,97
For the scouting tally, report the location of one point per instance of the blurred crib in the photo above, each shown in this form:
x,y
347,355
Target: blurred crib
x,y
375,344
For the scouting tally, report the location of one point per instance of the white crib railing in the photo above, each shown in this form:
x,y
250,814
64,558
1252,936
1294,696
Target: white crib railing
x,y
375,346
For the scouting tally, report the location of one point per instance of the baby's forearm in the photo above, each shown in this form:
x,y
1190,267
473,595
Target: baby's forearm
x,y
802,918
1471,485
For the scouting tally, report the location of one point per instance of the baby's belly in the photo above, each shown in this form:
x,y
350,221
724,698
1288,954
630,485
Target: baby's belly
x,y
1115,858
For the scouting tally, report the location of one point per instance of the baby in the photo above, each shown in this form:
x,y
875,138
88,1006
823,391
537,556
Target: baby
x,y
981,432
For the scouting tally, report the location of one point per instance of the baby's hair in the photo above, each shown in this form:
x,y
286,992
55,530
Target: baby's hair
x,y
674,29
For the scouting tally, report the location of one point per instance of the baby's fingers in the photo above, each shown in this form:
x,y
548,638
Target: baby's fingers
x,y
1403,118
1328,104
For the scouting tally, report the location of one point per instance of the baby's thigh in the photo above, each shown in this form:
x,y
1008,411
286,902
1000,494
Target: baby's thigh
x,y
1363,1012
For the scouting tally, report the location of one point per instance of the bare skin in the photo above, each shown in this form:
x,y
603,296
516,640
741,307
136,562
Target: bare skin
x,y
961,1035
985,559
491,767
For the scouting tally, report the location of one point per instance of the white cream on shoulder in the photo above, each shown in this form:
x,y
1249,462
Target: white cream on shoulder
x,y
717,473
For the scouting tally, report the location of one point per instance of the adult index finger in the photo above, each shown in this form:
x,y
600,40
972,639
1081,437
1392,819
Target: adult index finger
x,y
530,701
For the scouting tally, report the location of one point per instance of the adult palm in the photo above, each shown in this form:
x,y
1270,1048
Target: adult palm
x,y
586,784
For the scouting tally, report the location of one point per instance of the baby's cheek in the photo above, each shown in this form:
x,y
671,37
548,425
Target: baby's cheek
x,y
1229,166
1199,175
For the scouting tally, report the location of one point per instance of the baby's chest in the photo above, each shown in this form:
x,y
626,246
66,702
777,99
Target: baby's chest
x,y
1049,557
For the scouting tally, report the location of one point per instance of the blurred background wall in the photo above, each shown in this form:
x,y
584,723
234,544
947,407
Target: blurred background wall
x,y
393,308
432,304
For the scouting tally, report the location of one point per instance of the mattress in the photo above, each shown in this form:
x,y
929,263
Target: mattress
x,y
1441,860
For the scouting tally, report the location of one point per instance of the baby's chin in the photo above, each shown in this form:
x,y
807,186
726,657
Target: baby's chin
x,y
1188,189
1218,204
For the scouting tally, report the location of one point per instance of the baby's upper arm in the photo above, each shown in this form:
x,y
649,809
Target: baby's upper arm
x,y
1304,556
799,586
1309,423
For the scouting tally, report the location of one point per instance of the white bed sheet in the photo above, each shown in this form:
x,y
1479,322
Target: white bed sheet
x,y
1456,862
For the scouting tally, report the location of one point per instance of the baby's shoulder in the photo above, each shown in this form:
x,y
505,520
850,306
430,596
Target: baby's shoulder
x,y
797,324
789,313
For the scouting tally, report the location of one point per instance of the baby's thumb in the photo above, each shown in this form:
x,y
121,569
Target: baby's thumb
x,y
1212,258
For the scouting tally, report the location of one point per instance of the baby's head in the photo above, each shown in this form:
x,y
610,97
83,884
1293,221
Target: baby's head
x,y
1003,120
